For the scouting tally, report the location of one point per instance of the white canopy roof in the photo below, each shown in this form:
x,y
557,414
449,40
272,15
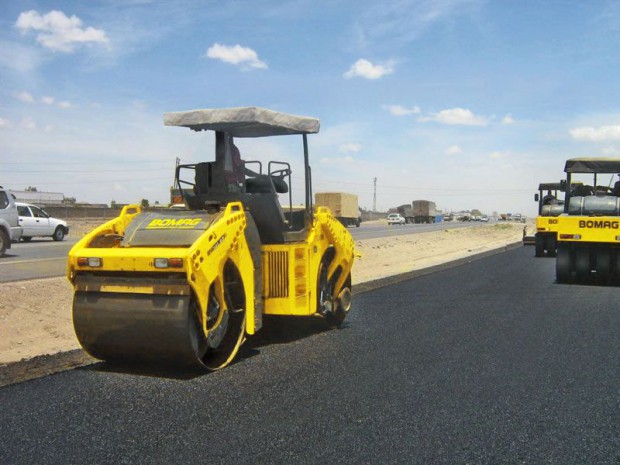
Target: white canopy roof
x,y
243,121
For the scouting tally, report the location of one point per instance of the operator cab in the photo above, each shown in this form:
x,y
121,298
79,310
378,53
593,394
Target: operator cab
x,y
211,185
549,202
588,196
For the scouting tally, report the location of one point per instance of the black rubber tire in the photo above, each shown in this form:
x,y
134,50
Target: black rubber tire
x,y
582,262
59,234
603,264
563,265
539,246
26,239
552,246
4,242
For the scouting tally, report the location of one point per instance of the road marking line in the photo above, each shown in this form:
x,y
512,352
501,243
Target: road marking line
x,y
30,261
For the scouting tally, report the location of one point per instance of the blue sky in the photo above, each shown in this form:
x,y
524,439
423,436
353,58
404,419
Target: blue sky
x,y
465,102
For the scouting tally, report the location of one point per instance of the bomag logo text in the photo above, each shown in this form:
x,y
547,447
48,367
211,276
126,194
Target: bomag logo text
x,y
174,223
598,224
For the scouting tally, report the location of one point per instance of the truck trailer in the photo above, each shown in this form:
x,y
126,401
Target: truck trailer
x,y
424,211
342,205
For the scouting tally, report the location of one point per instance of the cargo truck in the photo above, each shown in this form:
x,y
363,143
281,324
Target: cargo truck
x,y
424,211
406,211
342,205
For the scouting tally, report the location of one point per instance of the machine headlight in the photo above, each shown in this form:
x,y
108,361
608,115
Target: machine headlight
x,y
93,262
168,263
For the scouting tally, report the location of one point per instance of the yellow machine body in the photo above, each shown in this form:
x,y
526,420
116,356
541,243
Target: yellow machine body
x,y
587,229
546,224
546,235
550,206
588,233
202,262
289,271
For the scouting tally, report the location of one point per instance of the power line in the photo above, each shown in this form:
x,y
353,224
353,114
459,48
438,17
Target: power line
x,y
98,182
137,162
77,171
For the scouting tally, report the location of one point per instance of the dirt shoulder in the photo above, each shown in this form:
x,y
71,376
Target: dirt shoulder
x,y
35,316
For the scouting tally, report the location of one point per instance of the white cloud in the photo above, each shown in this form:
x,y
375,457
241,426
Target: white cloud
x,y
454,150
49,128
508,119
5,123
399,110
497,155
58,32
456,116
364,68
350,147
19,57
610,151
24,97
602,133
336,160
47,100
397,22
236,55
28,123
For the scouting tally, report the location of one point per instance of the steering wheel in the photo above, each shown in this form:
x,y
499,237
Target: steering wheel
x,y
280,173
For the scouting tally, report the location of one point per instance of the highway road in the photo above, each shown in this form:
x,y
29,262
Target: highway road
x,y
489,362
39,258
45,258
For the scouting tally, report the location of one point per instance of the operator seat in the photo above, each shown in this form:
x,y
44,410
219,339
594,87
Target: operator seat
x,y
262,201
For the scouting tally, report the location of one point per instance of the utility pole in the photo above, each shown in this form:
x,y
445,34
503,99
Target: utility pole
x,y
374,198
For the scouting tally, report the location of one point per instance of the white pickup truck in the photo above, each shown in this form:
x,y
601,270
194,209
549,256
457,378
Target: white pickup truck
x,y
36,222
10,231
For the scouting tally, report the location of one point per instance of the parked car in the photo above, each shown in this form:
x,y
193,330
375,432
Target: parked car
x,y
395,218
10,231
36,222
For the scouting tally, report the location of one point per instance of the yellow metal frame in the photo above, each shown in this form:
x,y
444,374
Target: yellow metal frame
x,y
290,271
296,294
599,229
547,224
203,262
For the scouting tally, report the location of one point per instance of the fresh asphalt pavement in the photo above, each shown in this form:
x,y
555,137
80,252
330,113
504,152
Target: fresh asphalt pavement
x,y
489,362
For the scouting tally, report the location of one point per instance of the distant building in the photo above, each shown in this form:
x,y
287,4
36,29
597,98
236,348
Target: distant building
x,y
92,205
39,198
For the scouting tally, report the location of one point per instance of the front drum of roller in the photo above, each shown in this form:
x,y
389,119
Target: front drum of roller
x,y
132,327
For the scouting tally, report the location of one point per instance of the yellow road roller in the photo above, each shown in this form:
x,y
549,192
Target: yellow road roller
x,y
588,232
550,206
186,286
